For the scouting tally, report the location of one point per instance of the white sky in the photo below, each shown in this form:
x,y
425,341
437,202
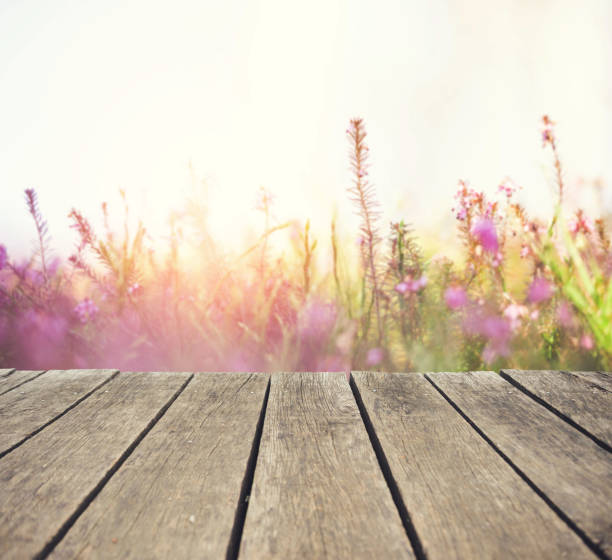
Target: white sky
x,y
98,95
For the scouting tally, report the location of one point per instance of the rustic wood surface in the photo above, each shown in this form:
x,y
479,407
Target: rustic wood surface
x,y
318,491
571,470
4,372
15,379
601,378
41,400
185,476
101,464
583,402
449,477
47,479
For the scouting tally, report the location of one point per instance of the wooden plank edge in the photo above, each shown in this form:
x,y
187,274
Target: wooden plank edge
x,y
554,410
23,382
233,547
66,526
57,417
6,372
383,463
593,546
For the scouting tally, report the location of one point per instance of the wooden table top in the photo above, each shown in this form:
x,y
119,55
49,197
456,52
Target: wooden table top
x,y
102,464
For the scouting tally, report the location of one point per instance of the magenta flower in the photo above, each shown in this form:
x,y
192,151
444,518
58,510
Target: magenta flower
x,y
375,356
484,230
540,290
3,257
455,297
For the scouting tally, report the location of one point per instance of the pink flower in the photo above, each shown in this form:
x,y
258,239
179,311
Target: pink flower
x,y
402,287
540,290
565,315
525,251
411,285
580,223
86,310
586,342
455,297
514,313
3,257
548,131
484,230
375,356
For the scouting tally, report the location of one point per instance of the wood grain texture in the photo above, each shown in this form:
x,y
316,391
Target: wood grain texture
x,y
318,491
26,409
176,495
601,378
16,379
464,500
585,403
48,478
570,469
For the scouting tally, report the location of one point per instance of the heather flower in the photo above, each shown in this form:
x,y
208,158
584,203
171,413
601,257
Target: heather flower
x,y
508,188
565,315
548,131
539,290
514,313
402,287
525,251
580,224
455,297
86,310
375,356
3,257
484,230
586,342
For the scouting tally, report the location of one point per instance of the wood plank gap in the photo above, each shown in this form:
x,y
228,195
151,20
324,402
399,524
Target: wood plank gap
x,y
233,547
48,548
23,382
411,532
583,536
73,405
555,411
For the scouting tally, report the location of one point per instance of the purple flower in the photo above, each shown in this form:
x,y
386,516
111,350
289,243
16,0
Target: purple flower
x,y
375,356
484,230
455,297
3,257
86,310
540,290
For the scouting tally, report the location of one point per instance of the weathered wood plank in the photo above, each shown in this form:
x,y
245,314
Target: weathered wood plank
x,y
177,494
601,378
572,471
584,403
464,500
41,400
16,379
53,475
4,372
318,491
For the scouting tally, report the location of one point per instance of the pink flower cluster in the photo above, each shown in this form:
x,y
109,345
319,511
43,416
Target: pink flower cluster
x,y
455,297
508,188
580,224
466,198
486,234
86,310
411,285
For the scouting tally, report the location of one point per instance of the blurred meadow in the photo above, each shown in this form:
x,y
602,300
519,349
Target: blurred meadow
x,y
194,188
